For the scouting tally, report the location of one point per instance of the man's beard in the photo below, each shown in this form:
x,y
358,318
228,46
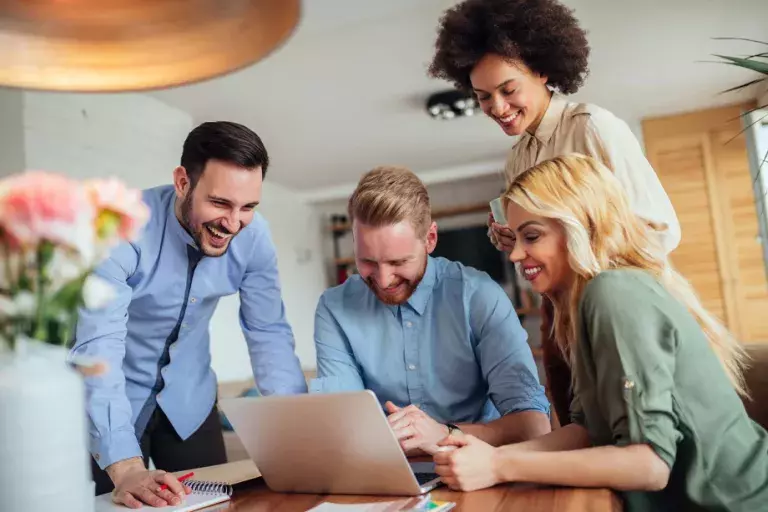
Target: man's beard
x,y
407,289
197,234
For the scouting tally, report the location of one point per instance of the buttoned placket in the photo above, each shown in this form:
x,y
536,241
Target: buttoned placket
x,y
410,328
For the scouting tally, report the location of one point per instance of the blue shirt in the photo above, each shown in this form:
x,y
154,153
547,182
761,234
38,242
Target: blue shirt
x,y
455,349
154,335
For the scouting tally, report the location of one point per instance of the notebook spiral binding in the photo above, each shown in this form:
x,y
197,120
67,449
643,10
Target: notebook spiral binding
x,y
201,487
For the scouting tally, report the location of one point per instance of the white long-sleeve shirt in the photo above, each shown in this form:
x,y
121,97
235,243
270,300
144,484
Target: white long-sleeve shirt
x,y
593,131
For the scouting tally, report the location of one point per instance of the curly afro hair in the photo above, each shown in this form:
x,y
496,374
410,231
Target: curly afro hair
x,y
544,34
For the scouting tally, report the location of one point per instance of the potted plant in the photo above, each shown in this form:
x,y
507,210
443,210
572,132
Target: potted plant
x,y
757,62
53,231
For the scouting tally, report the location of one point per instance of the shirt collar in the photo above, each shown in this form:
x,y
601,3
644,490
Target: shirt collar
x,y
418,301
551,119
173,224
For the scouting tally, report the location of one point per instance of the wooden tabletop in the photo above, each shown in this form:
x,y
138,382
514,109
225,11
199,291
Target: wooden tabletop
x,y
257,498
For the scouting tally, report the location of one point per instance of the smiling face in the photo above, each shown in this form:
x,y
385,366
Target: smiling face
x,y
219,206
510,93
392,259
540,250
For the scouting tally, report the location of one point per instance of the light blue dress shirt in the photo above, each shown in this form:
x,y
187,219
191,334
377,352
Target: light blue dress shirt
x,y
455,349
154,335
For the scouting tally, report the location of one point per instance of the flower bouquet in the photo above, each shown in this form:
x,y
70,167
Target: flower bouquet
x,y
53,232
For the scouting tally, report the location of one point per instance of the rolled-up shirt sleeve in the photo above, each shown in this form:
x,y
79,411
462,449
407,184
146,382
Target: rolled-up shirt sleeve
x,y
632,347
100,335
501,346
337,369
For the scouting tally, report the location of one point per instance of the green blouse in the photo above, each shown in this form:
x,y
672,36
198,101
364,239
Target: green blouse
x,y
644,373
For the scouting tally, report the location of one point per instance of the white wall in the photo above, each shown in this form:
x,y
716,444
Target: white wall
x,y
11,137
132,136
139,139
296,232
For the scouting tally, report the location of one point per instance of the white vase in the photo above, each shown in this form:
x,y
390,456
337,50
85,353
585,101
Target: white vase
x,y
44,460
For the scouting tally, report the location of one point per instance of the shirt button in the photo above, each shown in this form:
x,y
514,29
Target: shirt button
x,y
628,384
185,326
411,366
193,300
97,456
408,324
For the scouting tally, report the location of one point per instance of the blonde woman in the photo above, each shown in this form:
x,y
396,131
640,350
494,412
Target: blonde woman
x,y
656,410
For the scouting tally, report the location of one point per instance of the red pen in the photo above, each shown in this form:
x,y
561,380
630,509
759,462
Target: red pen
x,y
181,479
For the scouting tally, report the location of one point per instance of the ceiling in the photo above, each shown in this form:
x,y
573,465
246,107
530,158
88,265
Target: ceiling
x,y
347,91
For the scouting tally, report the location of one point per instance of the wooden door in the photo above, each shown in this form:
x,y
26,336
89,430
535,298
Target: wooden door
x,y
705,171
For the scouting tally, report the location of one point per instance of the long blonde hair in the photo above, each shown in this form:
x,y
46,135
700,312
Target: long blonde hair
x,y
602,233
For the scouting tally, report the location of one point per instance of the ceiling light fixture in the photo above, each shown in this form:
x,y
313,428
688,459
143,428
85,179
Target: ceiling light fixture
x,y
130,45
451,104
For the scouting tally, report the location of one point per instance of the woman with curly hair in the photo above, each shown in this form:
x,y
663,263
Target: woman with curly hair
x,y
520,58
656,412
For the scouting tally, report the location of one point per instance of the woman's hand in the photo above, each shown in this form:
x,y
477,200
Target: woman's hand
x,y
501,236
469,464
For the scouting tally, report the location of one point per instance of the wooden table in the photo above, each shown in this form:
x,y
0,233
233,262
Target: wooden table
x,y
257,498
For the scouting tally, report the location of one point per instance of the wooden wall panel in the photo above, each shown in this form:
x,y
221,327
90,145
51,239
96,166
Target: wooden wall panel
x,y
730,155
680,166
703,164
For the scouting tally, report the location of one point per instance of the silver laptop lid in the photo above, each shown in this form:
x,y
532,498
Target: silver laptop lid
x,y
337,443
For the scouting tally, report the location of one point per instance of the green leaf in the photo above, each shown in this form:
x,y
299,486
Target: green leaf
x,y
45,252
25,283
69,297
754,65
740,39
753,82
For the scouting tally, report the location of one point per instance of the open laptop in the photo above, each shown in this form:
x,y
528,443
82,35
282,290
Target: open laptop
x,y
336,443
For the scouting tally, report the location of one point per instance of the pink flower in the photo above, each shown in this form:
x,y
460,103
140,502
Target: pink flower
x,y
119,210
37,205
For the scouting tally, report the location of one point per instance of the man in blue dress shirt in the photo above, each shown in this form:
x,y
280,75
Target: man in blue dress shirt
x,y
439,343
204,240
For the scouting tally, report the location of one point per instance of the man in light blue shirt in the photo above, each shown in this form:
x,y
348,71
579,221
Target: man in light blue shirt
x,y
439,343
203,241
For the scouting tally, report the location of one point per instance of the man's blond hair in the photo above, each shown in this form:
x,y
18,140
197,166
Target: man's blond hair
x,y
387,195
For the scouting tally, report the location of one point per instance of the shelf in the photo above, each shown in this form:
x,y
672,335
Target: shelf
x,y
343,262
436,214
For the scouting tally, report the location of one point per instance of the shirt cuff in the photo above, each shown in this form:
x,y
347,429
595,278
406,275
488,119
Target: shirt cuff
x,y
531,404
119,446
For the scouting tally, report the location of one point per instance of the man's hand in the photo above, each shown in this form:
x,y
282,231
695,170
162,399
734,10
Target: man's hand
x,y
501,236
415,430
135,485
466,463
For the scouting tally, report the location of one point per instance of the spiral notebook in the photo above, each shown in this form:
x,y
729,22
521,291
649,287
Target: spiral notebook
x,y
204,494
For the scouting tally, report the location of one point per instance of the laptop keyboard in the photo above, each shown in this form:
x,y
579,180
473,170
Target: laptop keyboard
x,y
423,478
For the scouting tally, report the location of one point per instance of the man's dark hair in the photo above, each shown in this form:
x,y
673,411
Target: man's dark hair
x,y
543,34
225,141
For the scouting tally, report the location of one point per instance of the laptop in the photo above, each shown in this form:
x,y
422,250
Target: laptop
x,y
330,443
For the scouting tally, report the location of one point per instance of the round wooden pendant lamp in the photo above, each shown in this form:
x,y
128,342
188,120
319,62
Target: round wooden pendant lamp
x,y
131,45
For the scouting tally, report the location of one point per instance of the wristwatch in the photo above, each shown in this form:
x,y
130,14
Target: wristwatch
x,y
453,428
